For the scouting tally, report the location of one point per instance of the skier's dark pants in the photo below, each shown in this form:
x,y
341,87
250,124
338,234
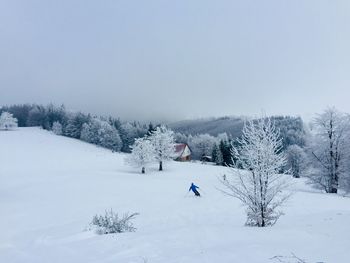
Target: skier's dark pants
x,y
196,192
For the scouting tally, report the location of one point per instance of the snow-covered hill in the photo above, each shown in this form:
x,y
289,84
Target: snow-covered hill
x,y
51,186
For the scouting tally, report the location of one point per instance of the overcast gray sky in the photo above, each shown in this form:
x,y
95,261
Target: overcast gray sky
x,y
177,59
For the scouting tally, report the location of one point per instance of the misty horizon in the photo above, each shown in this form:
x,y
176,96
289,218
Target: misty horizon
x,y
178,60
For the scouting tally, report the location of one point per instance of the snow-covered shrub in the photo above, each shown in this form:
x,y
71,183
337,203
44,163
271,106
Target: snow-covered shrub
x,y
57,128
7,121
111,223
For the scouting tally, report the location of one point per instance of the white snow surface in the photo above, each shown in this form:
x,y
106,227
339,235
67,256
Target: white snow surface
x,y
52,186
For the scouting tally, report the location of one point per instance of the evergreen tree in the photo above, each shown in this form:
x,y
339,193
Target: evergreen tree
x,y
54,114
75,123
226,148
57,128
37,116
109,137
101,133
217,155
151,129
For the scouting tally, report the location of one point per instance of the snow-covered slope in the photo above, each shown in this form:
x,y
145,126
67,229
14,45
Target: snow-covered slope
x,y
51,186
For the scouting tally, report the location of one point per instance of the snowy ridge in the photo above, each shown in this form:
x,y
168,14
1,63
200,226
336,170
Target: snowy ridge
x,y
51,186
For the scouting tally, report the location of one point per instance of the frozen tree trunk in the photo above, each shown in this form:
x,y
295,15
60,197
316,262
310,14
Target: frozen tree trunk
x,y
160,166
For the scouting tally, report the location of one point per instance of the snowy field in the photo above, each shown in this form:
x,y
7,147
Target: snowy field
x,y
51,186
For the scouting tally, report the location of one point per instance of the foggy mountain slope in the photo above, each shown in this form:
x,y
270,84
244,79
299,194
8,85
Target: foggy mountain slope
x,y
212,126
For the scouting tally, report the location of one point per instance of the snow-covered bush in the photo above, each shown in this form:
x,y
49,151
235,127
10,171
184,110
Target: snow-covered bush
x,y
7,121
57,128
260,187
112,223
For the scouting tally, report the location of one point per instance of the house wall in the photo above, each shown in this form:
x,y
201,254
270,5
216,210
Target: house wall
x,y
186,152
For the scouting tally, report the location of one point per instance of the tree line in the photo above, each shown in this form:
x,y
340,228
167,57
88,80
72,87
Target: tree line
x,y
112,133
108,132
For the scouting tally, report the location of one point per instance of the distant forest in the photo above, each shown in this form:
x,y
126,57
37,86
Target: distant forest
x,y
212,137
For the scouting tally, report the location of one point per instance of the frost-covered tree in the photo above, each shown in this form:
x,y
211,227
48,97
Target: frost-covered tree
x,y
217,155
180,138
7,121
37,116
54,114
225,147
260,187
142,154
20,112
75,123
329,148
164,144
109,137
100,132
57,128
202,145
128,134
296,160
291,129
88,134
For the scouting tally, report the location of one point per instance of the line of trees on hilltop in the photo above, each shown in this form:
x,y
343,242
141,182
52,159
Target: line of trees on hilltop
x,y
106,132
111,133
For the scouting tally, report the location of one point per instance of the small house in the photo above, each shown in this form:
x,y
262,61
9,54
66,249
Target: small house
x,y
182,152
206,158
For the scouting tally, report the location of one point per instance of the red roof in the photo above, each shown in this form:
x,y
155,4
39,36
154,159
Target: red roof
x,y
180,147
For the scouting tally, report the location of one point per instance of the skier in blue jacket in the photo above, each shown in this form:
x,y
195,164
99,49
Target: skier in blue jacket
x,y
194,189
